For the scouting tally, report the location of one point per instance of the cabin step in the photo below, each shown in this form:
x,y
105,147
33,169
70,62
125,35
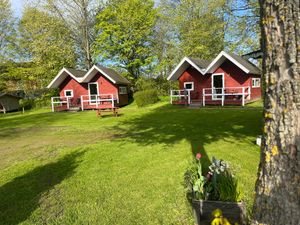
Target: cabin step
x,y
195,105
74,109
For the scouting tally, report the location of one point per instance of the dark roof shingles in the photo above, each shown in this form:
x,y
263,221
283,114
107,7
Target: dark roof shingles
x,y
77,73
202,63
114,75
110,72
251,67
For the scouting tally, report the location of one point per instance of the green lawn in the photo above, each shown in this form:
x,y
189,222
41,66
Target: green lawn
x,y
75,168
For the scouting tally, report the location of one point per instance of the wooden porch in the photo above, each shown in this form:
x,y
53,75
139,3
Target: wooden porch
x,y
212,96
85,102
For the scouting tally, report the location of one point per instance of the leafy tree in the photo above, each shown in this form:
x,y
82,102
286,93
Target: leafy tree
x,y
46,43
166,44
7,30
79,17
277,187
201,26
125,35
242,33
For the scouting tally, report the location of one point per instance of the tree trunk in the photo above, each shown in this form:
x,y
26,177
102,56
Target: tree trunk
x,y
277,199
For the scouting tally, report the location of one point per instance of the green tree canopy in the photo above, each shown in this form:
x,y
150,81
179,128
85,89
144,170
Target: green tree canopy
x,y
125,34
46,43
7,30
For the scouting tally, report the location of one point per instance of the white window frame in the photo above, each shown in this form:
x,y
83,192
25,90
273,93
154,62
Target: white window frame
x,y
254,82
91,100
123,90
192,83
72,93
212,85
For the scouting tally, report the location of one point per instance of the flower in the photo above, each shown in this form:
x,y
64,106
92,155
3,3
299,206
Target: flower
x,y
209,176
198,156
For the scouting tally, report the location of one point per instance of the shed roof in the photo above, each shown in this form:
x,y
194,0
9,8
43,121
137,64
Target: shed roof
x,y
7,94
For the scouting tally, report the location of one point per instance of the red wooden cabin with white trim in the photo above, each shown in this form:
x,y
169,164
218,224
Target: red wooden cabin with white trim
x,y
98,88
228,79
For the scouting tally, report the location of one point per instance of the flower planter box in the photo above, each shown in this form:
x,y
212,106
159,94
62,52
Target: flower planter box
x,y
233,211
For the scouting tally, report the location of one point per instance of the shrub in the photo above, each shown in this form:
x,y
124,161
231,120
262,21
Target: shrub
x,y
27,103
146,97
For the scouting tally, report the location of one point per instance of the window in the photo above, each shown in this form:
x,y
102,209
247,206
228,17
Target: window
x,y
255,82
188,86
123,90
68,93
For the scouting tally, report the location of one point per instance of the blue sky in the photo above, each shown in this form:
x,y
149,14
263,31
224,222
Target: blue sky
x,y
17,6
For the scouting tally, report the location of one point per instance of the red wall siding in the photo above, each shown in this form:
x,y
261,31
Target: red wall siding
x,y
71,84
234,77
105,87
200,82
255,92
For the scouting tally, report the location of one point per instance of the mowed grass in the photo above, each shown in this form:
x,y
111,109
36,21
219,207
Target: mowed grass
x,y
75,168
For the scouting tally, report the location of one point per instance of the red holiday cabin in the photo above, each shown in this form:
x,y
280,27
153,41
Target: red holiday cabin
x,y
229,79
98,88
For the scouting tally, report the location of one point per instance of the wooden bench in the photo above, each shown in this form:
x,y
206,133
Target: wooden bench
x,y
114,110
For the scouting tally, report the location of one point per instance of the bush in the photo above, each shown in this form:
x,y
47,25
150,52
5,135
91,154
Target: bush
x,y
27,103
146,97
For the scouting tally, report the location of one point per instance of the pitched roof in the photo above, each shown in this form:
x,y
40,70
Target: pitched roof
x,y
11,95
202,63
114,75
204,66
85,76
77,73
246,63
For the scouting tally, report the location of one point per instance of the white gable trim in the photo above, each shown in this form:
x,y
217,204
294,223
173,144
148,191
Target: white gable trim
x,y
224,54
99,70
185,59
59,74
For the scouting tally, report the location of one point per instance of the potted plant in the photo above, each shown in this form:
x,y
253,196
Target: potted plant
x,y
214,193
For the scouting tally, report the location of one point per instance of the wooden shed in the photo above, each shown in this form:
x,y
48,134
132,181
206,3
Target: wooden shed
x,y
8,102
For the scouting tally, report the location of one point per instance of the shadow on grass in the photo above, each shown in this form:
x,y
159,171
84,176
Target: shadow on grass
x,y
169,125
20,197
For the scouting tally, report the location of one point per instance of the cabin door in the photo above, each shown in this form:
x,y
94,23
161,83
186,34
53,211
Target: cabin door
x,y
217,86
93,92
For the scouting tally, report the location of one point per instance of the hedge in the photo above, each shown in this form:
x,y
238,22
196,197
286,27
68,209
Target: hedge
x,y
146,97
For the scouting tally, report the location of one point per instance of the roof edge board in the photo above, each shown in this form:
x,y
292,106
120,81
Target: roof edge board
x,y
222,53
99,70
185,59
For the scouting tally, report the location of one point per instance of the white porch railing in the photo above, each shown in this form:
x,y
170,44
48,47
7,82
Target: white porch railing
x,y
221,93
64,103
179,95
97,100
60,101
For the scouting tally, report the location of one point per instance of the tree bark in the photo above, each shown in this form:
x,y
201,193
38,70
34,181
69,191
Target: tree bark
x,y
277,199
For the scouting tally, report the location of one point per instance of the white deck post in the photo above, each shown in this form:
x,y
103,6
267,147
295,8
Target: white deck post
x,y
52,104
97,100
68,105
112,101
189,96
171,97
81,101
203,96
243,96
223,96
